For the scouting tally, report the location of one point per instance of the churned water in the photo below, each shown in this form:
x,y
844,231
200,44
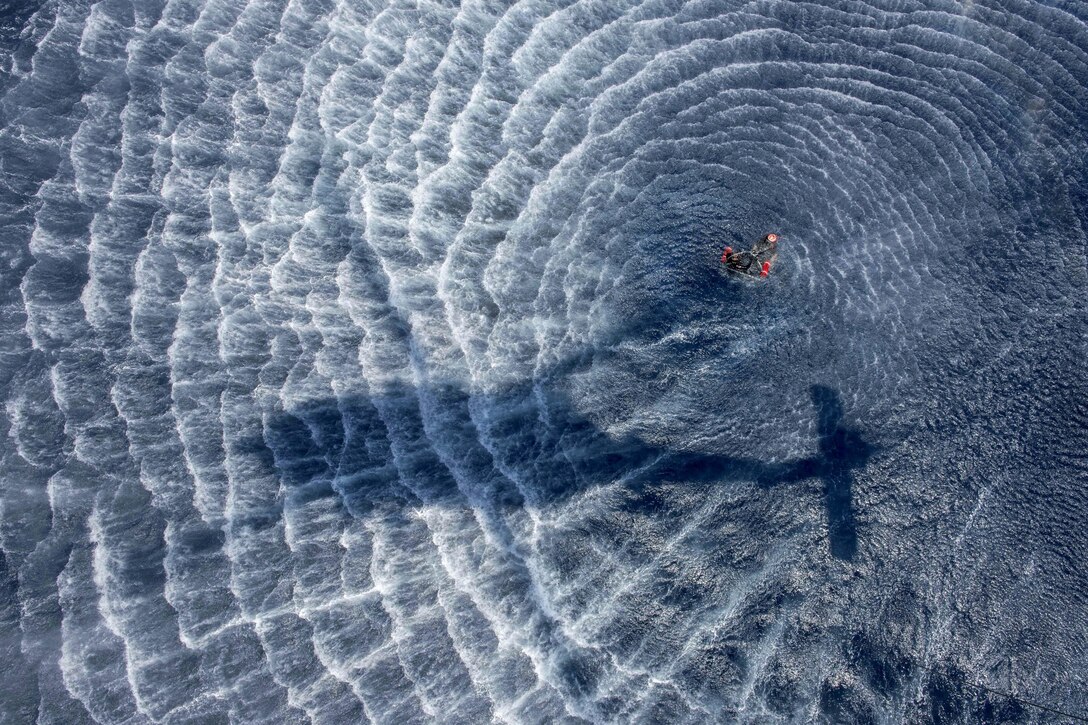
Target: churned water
x,y
373,362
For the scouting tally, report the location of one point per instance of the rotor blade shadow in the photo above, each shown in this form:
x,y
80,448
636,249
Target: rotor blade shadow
x,y
527,445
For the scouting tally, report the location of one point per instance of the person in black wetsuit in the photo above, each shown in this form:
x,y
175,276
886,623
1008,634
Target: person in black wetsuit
x,y
763,251
741,261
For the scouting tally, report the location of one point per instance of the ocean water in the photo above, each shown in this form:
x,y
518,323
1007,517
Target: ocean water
x,y
373,361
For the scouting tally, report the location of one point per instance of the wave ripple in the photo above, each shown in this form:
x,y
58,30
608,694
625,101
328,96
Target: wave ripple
x,y
372,362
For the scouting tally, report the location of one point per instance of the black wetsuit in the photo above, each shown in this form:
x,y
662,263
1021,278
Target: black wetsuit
x,y
763,251
742,261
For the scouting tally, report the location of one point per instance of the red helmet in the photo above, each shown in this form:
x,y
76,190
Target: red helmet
x,y
772,238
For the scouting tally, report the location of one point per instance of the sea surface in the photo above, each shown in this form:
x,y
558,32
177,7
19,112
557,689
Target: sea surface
x,y
373,361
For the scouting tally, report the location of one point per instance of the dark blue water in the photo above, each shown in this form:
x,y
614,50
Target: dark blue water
x,y
374,362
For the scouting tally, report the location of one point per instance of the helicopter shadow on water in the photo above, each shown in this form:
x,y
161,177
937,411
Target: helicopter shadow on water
x,y
546,449
840,451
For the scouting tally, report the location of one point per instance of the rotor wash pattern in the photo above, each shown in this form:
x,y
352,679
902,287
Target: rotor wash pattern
x,y
372,361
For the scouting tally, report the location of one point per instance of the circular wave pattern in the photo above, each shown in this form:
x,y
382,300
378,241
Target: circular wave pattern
x,y
373,362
